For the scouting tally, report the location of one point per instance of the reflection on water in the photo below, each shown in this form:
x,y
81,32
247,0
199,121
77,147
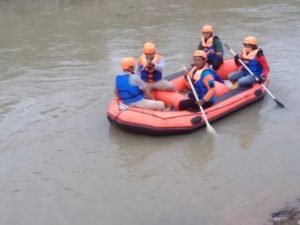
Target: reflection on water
x,y
249,120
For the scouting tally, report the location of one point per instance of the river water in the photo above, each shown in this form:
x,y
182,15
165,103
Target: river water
x,y
61,162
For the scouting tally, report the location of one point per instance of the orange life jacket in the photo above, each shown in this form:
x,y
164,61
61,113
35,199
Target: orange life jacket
x,y
208,43
249,56
251,62
195,74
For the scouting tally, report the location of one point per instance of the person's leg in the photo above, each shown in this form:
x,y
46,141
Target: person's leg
x,y
216,64
192,96
186,104
234,76
207,105
246,81
149,104
190,105
163,85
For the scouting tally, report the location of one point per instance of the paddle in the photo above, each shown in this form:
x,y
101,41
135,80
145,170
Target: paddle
x,y
210,129
244,65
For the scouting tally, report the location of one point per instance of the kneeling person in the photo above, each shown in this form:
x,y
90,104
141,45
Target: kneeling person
x,y
131,89
203,79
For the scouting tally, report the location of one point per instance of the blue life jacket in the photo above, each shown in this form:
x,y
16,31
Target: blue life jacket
x,y
251,62
217,77
147,77
200,87
127,92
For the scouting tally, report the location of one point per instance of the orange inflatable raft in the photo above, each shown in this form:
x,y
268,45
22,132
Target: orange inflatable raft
x,y
150,122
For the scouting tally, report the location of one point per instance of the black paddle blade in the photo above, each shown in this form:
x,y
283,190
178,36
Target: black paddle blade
x,y
279,103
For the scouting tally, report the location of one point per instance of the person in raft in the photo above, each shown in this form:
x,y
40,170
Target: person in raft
x,y
150,67
254,59
132,90
211,44
203,78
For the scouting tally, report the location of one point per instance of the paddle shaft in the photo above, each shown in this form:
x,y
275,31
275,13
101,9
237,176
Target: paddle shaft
x,y
251,73
196,96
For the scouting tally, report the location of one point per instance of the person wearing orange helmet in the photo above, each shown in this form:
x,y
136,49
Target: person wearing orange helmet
x,y
211,44
254,59
150,67
131,89
203,78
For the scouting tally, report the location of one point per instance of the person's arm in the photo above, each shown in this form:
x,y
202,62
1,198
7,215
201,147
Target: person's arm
x,y
137,81
210,85
263,62
236,60
138,70
200,46
160,65
147,92
218,47
140,66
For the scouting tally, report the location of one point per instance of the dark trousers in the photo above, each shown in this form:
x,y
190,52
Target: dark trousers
x,y
215,63
190,104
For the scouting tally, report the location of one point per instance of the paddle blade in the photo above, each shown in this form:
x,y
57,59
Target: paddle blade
x,y
211,130
279,103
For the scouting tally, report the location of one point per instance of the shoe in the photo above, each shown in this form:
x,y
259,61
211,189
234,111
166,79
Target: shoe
x,y
234,85
230,84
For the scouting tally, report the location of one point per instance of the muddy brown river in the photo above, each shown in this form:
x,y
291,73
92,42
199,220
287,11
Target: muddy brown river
x,y
62,163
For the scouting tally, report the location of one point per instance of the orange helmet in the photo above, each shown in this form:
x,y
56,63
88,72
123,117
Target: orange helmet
x,y
250,40
208,28
149,48
200,53
127,62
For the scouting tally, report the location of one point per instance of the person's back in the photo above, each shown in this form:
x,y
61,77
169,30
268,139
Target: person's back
x,y
126,92
131,89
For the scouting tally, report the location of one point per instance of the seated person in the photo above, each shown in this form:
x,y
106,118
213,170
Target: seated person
x,y
211,44
150,67
254,59
203,79
132,90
